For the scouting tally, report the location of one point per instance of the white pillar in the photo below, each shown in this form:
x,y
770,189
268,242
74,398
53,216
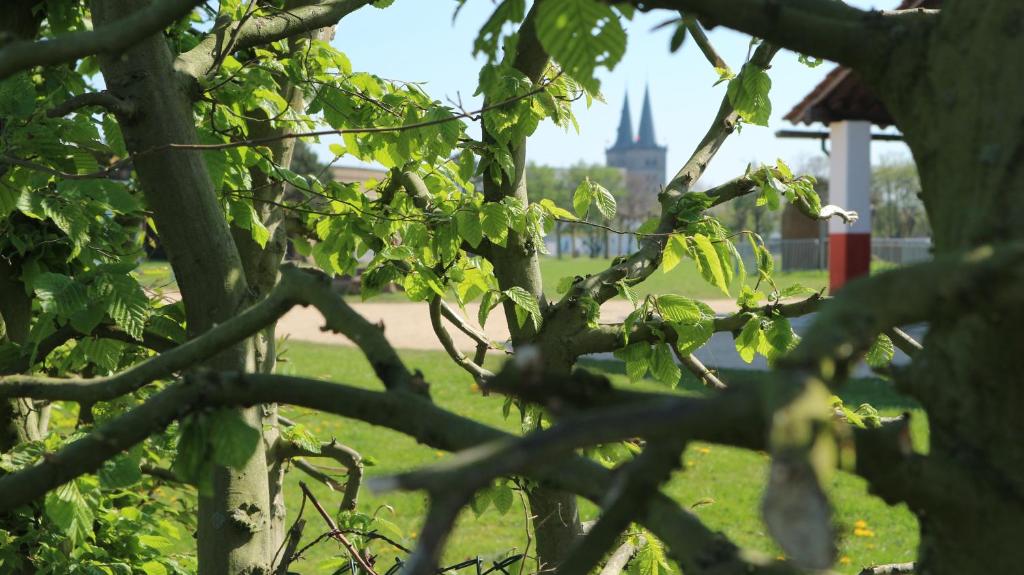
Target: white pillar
x,y
850,188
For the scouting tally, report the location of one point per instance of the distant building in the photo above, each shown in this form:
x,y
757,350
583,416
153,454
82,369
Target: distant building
x,y
362,176
642,158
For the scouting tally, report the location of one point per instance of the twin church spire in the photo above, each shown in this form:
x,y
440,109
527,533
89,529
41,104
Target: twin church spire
x,y
645,137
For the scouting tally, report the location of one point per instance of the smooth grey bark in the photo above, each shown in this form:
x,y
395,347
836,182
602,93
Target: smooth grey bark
x,y
233,537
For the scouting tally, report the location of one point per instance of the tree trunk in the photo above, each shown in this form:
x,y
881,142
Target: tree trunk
x,y
233,537
959,108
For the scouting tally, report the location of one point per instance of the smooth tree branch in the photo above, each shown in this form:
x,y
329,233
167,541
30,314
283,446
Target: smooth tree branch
x,y
102,99
296,287
199,62
698,369
110,39
696,32
636,482
830,30
336,533
346,456
479,373
611,336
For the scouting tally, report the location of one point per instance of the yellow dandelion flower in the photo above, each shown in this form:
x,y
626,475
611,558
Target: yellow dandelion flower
x,y
844,560
704,450
439,453
475,388
860,524
863,532
780,557
689,464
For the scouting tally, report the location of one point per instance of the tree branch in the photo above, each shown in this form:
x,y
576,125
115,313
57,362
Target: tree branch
x,y
199,62
336,534
698,35
113,38
103,99
296,287
830,30
692,544
698,369
610,336
479,374
642,263
346,456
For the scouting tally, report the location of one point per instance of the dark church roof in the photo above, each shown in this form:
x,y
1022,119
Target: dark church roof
x,y
645,139
842,95
625,136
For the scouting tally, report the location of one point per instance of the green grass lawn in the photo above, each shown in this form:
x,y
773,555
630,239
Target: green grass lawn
x,y
684,279
727,483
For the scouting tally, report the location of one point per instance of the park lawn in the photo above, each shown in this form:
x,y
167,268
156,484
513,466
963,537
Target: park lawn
x,y
684,279
722,485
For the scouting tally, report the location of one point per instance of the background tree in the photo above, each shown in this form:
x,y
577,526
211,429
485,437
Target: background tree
x,y
897,211
207,117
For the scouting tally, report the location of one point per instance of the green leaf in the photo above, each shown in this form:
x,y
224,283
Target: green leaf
x,y
470,228
748,94
663,365
690,337
69,511
121,471
604,199
495,222
301,436
244,216
650,559
677,308
748,341
525,302
675,250
481,501
709,263
881,352
502,497
157,542
232,439
59,294
582,198
104,353
638,360
127,304
581,35
487,303
154,568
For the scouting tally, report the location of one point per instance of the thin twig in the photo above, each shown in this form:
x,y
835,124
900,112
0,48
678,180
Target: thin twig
x,y
335,533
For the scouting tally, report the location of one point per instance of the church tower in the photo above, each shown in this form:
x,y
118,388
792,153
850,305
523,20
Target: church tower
x,y
643,160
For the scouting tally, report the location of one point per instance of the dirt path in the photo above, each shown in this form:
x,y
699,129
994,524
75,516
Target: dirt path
x,y
407,325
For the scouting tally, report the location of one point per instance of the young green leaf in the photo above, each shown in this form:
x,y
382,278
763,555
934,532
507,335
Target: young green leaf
x,y
526,303
677,308
749,339
709,263
881,352
748,94
663,365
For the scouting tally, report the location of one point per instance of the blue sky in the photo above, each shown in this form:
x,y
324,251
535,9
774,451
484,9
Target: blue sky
x,y
416,40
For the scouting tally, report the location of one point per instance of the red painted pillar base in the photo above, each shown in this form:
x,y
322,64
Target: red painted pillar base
x,y
849,257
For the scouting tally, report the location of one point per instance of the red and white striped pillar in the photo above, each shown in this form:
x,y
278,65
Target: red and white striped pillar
x,y
849,246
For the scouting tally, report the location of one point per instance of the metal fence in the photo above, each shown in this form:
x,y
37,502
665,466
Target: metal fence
x,y
812,254
803,254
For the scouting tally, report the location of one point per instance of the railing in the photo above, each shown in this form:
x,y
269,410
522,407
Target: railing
x,y
802,254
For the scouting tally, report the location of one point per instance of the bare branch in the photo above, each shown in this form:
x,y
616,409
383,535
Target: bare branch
x,y
697,33
635,483
831,30
480,374
617,562
113,38
336,534
697,368
903,341
343,454
103,99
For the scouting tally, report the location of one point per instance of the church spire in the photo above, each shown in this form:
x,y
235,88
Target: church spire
x,y
625,136
646,137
